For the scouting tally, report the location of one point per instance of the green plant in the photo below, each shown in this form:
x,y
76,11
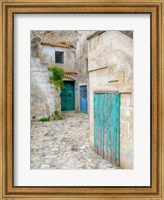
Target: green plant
x,y
57,75
45,119
56,112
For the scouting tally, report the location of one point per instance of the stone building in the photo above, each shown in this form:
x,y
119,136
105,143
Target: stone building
x,y
45,97
57,48
110,66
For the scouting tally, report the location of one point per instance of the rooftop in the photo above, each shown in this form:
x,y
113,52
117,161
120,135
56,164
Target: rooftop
x,y
60,44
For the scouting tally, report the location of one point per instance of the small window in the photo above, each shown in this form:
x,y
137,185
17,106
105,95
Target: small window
x,y
59,57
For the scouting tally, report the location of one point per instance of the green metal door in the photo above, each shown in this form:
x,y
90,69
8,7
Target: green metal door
x,y
107,126
68,96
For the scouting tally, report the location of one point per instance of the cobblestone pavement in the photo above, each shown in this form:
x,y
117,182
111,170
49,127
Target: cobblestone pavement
x,y
64,144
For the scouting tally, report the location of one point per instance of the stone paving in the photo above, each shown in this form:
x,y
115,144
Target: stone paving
x,y
64,144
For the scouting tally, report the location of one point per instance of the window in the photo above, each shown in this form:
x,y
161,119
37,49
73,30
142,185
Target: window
x,y
59,57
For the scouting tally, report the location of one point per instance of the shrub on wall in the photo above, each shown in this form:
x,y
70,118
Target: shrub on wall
x,y
57,75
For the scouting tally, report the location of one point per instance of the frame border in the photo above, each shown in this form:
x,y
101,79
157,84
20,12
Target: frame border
x,y
9,8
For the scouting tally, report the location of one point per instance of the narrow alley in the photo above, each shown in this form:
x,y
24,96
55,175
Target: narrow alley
x,y
64,144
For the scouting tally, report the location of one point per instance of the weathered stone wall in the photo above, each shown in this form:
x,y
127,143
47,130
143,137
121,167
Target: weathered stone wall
x,y
47,55
82,55
110,62
82,61
44,96
70,37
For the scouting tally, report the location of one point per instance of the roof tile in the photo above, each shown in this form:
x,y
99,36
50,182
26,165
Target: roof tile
x,y
61,44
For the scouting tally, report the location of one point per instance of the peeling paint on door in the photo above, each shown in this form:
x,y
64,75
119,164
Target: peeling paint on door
x,y
107,126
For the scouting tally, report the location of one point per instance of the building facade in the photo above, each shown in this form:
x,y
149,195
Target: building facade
x,y
110,66
59,50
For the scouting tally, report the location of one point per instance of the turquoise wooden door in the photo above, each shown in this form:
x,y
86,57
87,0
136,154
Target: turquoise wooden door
x,y
68,96
107,126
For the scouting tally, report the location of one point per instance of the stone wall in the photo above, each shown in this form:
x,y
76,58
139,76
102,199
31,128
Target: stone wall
x,y
70,37
44,96
82,61
47,55
110,63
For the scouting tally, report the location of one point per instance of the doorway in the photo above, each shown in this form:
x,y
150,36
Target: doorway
x,y
107,126
68,96
83,98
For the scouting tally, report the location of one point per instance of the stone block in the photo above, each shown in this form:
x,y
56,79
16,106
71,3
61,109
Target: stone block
x,y
126,113
121,80
126,100
124,129
127,158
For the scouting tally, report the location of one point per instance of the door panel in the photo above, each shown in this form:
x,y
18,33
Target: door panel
x,y
107,126
68,96
83,99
